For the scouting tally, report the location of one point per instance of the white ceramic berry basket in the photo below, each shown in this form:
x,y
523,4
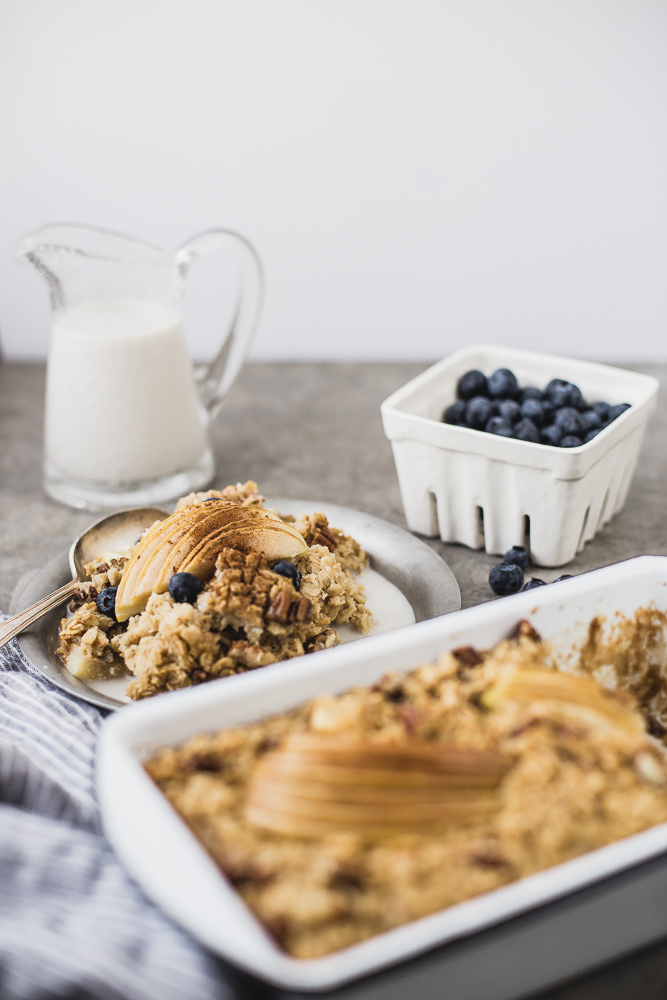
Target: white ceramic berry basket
x,y
490,492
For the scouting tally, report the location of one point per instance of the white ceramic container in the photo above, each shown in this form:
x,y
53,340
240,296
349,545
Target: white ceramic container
x,y
163,855
492,492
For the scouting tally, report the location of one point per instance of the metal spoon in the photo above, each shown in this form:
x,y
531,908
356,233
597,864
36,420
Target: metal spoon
x,y
112,533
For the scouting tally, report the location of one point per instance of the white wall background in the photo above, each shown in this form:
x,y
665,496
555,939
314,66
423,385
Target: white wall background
x,y
416,174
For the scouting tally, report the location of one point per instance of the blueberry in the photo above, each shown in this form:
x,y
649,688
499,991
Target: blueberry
x,y
574,397
526,430
556,383
534,582
615,411
565,576
184,588
503,384
602,410
549,410
533,409
473,383
497,425
286,568
509,410
516,555
563,393
552,435
506,578
106,602
589,435
531,392
590,421
568,419
571,441
478,412
455,414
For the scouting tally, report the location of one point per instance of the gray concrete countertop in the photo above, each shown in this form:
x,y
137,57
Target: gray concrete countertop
x,y
313,431
310,431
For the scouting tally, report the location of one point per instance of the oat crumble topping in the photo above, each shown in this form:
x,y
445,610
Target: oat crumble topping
x,y
581,773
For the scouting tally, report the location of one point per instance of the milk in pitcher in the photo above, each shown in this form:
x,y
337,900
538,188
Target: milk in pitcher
x,y
121,403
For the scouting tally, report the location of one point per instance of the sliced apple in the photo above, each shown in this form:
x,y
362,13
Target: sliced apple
x,y
190,540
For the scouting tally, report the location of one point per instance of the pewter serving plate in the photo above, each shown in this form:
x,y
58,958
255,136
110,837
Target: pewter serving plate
x,y
406,582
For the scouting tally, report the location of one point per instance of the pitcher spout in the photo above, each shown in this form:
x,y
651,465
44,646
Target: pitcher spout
x,y
64,252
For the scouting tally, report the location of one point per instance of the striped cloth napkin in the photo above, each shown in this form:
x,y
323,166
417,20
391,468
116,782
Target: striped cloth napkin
x,y
72,923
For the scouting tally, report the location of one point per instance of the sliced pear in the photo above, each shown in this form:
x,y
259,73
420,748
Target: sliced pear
x,y
528,686
317,785
190,540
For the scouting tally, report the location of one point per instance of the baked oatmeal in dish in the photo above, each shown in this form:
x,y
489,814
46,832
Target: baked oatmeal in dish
x,y
221,586
356,813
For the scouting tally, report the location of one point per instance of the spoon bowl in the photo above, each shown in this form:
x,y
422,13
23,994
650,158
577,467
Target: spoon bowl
x,y
113,533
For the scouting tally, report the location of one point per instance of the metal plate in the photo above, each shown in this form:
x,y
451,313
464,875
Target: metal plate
x,y
408,563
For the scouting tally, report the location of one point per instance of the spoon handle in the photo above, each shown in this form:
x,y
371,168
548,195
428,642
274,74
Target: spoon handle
x,y
17,623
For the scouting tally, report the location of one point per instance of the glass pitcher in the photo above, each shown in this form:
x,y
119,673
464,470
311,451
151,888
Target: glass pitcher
x,y
126,414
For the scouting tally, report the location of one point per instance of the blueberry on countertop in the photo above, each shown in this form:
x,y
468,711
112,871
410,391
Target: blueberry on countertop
x,y
456,413
516,555
106,602
184,588
473,383
565,576
497,425
503,384
552,435
571,441
534,582
286,568
506,578
478,412
526,430
509,410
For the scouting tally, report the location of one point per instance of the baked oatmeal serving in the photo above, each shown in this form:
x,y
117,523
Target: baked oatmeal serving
x,y
221,586
359,812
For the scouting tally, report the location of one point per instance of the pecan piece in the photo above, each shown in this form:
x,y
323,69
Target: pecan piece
x,y
467,656
324,537
304,609
278,610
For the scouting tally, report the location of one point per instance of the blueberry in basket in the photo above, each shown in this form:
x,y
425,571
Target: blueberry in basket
x,y
456,413
557,416
497,425
478,412
184,588
473,383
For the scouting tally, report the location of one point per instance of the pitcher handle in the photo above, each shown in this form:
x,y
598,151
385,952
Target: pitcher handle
x,y
216,379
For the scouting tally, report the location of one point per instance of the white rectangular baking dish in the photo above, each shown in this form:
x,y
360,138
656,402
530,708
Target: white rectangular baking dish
x,y
166,859
491,492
